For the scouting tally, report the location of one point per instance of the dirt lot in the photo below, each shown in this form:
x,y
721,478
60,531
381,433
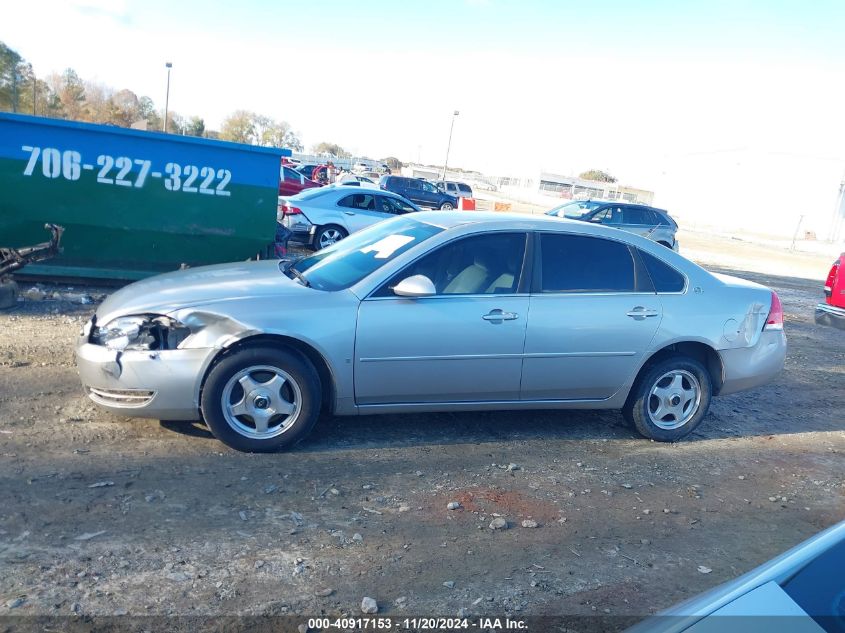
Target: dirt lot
x,y
102,515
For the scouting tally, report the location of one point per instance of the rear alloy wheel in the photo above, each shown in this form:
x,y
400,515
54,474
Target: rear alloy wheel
x,y
446,206
328,235
669,399
261,400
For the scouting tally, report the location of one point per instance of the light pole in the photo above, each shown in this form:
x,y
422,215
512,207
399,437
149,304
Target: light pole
x,y
168,65
449,145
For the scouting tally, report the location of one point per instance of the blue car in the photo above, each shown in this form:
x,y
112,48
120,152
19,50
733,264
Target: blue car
x,y
420,192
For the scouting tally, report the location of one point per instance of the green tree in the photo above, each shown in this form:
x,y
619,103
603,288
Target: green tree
x,y
238,127
597,175
272,133
71,93
330,148
195,127
124,108
147,111
10,61
393,163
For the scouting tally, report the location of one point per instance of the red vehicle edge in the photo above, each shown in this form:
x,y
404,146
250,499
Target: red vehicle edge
x,y
832,311
292,182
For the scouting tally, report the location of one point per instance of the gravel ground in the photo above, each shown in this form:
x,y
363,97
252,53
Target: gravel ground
x,y
107,516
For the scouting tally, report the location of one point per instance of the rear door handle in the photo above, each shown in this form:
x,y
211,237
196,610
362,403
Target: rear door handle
x,y
640,312
349,212
500,315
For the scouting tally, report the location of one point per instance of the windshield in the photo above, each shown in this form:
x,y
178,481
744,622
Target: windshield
x,y
575,210
350,260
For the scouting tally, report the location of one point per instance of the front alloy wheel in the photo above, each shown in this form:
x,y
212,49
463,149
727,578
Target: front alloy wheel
x,y
261,399
261,402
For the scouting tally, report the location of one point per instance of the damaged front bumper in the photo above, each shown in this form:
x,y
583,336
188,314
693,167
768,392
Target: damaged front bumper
x,y
827,314
162,384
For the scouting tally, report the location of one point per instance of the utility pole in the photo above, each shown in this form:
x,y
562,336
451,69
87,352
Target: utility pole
x,y
168,65
449,145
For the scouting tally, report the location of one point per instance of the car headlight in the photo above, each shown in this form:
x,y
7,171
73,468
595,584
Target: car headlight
x,y
143,332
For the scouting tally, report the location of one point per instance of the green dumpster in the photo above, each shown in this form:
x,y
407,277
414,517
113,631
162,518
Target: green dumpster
x,y
133,203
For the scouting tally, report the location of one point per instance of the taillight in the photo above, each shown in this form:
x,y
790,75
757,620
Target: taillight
x,y
775,319
289,209
831,279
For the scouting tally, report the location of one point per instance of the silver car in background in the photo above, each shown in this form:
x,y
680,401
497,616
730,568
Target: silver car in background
x,y
435,311
655,224
321,217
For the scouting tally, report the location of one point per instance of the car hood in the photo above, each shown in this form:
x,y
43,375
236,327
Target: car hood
x,y
166,293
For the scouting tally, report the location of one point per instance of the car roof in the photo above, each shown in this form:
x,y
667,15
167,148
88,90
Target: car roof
x,y
625,202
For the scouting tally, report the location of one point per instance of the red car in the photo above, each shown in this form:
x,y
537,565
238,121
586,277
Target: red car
x,y
292,182
832,311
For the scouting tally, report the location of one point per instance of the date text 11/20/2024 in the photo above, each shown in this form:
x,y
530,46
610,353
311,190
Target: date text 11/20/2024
x,y
68,164
387,623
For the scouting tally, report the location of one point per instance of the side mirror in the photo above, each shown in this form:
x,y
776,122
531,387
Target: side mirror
x,y
415,286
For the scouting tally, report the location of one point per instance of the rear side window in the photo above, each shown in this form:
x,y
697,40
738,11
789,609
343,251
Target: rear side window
x,y
663,276
578,263
412,184
664,219
634,215
464,188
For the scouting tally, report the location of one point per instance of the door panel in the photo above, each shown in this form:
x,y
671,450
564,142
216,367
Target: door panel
x,y
581,346
439,349
593,313
462,344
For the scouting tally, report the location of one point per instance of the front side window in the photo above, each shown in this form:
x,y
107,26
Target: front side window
x,y
480,264
393,205
574,210
427,186
579,263
608,215
351,259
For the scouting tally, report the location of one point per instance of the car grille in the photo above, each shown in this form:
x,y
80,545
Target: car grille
x,y
128,398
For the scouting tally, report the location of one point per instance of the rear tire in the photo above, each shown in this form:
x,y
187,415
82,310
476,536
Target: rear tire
x,y
669,399
261,400
446,206
328,235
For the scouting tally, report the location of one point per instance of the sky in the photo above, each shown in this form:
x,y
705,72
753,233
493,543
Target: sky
x,y
731,111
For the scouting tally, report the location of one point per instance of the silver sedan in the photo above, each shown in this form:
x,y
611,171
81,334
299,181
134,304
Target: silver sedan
x,y
321,217
435,312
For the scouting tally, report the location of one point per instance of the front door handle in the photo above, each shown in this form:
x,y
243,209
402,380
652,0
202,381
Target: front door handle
x,y
500,315
349,212
640,313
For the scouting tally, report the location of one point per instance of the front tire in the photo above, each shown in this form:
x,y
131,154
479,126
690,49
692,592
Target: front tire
x,y
261,400
446,206
328,235
669,399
